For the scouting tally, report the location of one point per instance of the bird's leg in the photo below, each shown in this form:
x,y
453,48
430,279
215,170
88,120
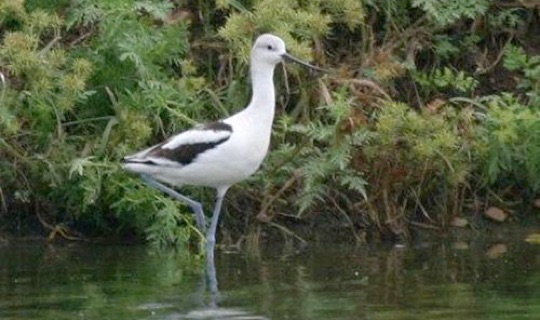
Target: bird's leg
x,y
211,233
210,245
195,206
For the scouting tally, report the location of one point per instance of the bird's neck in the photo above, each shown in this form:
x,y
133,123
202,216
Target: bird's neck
x,y
263,90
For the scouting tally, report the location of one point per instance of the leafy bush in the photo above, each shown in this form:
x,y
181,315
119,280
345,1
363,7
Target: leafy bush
x,y
318,155
71,132
512,143
447,12
408,125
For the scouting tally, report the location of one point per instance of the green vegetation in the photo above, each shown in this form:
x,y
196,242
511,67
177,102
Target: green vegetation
x,y
432,112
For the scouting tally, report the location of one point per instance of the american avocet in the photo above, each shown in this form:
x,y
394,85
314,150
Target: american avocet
x,y
221,153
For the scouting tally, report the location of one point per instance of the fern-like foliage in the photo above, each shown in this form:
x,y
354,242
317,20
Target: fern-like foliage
x,y
516,59
446,79
67,114
297,23
513,147
321,158
445,12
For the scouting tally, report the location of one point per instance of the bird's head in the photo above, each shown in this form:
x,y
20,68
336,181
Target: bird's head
x,y
269,49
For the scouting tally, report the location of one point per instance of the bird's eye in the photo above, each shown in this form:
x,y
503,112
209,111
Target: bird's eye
x,y
269,47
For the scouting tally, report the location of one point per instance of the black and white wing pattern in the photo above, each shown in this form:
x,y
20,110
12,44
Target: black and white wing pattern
x,y
183,148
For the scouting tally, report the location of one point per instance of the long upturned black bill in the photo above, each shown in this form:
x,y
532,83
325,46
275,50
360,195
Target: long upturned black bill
x,y
287,57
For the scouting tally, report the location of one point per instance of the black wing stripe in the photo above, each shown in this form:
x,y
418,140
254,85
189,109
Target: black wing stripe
x,y
184,154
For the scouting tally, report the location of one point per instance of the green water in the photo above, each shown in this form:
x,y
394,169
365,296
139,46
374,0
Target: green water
x,y
435,281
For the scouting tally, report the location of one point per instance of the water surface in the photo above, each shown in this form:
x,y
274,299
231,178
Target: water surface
x,y
499,280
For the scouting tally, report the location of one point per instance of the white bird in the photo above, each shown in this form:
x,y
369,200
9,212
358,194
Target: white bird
x,y
221,153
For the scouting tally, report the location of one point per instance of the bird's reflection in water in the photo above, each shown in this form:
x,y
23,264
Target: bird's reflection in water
x,y
210,298
211,276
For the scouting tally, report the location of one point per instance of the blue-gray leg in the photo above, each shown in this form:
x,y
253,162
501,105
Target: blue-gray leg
x,y
210,245
201,223
211,233
195,206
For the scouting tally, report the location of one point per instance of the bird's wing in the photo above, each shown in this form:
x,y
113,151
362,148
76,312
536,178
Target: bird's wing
x,y
183,148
